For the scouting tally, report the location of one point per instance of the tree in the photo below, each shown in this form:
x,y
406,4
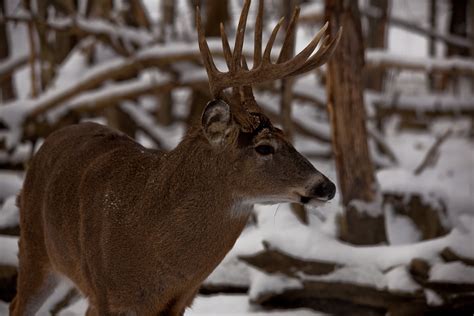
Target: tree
x,y
377,38
7,91
349,136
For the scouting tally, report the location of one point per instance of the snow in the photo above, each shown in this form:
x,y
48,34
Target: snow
x,y
9,64
313,245
232,271
449,181
234,305
276,283
8,250
432,298
370,265
425,64
10,183
400,228
421,102
452,272
402,181
169,136
399,280
229,305
367,276
9,215
145,82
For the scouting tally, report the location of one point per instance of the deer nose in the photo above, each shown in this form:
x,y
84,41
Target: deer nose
x,y
325,190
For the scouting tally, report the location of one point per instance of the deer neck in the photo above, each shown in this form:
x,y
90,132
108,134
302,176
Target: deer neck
x,y
196,178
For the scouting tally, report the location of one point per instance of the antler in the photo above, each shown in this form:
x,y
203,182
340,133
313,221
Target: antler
x,y
240,77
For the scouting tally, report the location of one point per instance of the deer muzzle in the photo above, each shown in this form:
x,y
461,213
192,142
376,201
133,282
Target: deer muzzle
x,y
318,191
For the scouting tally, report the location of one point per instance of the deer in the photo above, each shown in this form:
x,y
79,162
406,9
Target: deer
x,y
138,230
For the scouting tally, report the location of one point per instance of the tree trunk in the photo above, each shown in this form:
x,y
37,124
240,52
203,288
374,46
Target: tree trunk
x,y
286,92
349,135
32,54
114,116
164,113
7,90
217,11
287,83
377,38
64,41
457,26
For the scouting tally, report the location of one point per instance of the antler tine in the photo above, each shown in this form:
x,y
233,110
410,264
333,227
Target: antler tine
x,y
247,93
226,47
211,68
257,48
239,77
302,56
321,56
290,33
239,37
271,40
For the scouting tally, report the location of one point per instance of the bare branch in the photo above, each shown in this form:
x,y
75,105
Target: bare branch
x,y
432,154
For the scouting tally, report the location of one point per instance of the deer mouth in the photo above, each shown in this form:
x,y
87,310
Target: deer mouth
x,y
313,201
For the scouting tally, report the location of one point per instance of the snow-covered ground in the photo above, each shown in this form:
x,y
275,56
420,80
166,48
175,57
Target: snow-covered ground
x,y
230,305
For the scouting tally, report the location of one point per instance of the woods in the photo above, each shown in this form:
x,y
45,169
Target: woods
x,y
389,118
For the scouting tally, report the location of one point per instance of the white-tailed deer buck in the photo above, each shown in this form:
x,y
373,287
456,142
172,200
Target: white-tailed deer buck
x,y
138,230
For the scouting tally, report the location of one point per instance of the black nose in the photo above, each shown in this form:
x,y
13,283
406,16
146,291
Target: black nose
x,y
325,190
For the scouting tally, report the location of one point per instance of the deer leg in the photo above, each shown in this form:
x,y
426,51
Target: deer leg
x,y
35,284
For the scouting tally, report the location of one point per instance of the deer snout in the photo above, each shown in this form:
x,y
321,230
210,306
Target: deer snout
x,y
325,190
317,191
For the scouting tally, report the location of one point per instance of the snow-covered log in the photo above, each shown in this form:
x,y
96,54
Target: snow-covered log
x,y
363,289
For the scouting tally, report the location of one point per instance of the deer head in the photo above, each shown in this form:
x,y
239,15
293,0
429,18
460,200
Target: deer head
x,y
235,124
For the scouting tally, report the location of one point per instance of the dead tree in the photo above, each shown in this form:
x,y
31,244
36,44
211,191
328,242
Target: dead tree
x,y
7,91
349,136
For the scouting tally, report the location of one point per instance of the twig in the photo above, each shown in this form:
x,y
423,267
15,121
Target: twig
x,y
433,153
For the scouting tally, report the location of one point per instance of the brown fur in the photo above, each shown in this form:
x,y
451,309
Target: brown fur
x,y
138,230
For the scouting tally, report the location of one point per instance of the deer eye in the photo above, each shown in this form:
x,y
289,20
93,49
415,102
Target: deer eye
x,y
265,150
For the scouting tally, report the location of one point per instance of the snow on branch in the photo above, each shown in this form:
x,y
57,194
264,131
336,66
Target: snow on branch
x,y
112,93
420,103
314,13
111,33
384,59
8,66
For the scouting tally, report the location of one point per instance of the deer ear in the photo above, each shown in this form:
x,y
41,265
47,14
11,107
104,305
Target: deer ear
x,y
217,122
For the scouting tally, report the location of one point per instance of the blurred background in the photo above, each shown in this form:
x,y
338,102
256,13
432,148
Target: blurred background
x,y
389,118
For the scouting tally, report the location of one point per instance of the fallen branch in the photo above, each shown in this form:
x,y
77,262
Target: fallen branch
x,y
449,255
432,154
275,261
